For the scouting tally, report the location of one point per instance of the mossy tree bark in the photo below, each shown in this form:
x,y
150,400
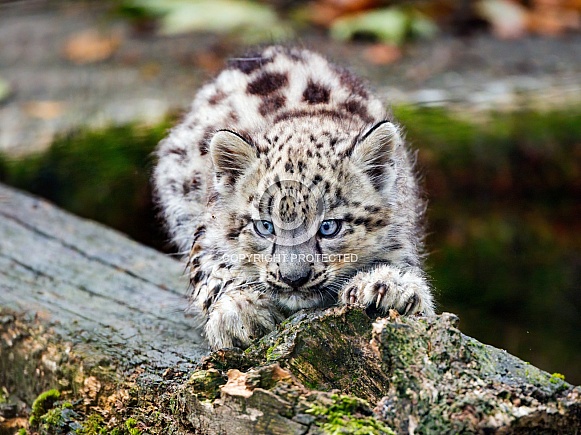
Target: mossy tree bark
x,y
93,320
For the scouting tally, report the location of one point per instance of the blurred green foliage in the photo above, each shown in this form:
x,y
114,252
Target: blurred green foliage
x,y
504,241
392,25
251,21
102,175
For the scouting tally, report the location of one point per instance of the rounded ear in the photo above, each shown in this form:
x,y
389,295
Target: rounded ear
x,y
231,154
374,151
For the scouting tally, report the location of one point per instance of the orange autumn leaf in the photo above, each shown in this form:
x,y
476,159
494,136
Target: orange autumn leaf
x,y
553,17
350,6
382,54
210,61
90,46
44,109
324,12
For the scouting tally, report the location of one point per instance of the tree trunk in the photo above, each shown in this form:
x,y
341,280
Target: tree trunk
x,y
93,340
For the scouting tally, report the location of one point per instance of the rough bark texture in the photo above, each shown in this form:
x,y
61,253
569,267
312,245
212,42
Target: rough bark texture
x,y
94,316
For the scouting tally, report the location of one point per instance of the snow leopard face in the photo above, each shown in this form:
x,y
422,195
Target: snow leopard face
x,y
309,210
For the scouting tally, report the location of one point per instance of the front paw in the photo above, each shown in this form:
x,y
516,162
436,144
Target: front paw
x,y
239,317
389,288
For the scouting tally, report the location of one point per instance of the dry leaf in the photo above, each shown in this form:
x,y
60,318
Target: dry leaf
x,y
12,425
91,46
553,17
91,388
393,315
209,61
351,6
118,399
279,373
236,385
508,19
382,54
44,109
325,12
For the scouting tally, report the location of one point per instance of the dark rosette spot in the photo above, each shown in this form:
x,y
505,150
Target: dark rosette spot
x,y
316,93
267,83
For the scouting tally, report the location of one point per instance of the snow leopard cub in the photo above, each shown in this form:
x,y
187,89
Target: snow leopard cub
x,y
289,186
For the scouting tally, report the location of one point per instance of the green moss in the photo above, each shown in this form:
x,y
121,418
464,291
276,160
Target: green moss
x,y
206,383
21,431
311,384
53,418
284,323
94,425
130,425
60,419
273,352
42,404
423,357
63,419
559,380
347,415
269,353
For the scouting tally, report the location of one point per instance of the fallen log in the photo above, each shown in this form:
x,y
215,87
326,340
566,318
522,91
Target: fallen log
x,y
93,340
79,301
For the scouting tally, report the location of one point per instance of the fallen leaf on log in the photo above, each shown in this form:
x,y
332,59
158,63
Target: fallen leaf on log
x,y
44,109
382,54
91,46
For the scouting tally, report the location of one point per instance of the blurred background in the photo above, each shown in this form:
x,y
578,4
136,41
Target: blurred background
x,y
489,92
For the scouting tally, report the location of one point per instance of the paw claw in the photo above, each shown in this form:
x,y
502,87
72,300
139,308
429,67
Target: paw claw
x,y
411,305
352,296
388,288
380,293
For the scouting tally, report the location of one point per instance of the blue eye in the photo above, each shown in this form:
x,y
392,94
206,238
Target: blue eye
x,y
330,228
264,228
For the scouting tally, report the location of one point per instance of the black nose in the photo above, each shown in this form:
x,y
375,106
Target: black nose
x,y
297,278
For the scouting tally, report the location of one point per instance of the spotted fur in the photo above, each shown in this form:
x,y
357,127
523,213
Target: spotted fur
x,y
285,136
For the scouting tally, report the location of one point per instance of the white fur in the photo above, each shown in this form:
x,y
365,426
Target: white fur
x,y
208,211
